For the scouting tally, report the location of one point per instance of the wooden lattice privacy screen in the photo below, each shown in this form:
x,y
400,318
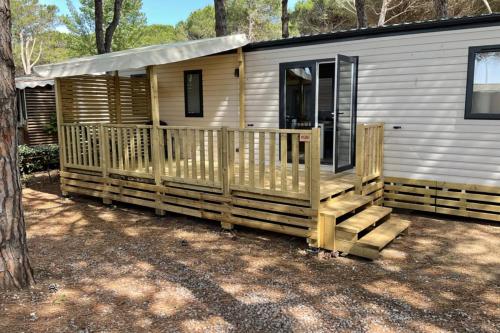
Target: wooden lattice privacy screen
x,y
106,99
40,106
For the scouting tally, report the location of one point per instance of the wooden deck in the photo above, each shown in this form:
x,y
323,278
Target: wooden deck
x,y
261,178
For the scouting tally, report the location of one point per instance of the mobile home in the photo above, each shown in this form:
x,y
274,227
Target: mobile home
x,y
307,135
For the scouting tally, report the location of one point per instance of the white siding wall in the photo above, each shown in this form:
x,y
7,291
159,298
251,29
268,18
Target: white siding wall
x,y
220,91
416,81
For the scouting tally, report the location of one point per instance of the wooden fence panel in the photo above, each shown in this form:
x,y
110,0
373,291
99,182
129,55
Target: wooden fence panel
x,y
191,155
255,167
130,150
81,146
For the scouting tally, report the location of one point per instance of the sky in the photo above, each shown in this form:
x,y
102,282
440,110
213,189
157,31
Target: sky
x,y
158,11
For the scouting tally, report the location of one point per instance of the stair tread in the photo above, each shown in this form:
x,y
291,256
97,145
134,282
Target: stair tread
x,y
364,219
382,235
344,204
332,189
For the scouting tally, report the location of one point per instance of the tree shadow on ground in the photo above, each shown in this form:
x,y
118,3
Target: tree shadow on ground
x,y
124,269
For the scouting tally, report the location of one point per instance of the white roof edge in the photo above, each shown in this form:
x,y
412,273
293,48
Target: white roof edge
x,y
142,57
32,82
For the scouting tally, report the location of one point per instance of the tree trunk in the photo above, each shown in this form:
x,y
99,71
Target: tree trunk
x,y
441,8
220,18
15,269
360,13
99,30
383,12
285,18
104,41
110,30
488,7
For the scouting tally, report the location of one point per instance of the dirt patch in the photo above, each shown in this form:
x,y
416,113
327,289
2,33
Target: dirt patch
x,y
122,269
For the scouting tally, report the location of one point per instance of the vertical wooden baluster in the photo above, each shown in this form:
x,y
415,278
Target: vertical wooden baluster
x,y
241,156
284,161
73,144
88,146
83,139
91,148
161,138
221,167
381,148
231,145
251,159
185,151
140,151
272,160
211,171
307,166
262,160
202,154
79,144
94,143
133,153
177,153
146,134
119,135
112,132
126,140
194,166
169,151
295,162
68,142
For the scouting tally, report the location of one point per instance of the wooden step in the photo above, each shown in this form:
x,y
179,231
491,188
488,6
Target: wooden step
x,y
364,219
330,190
370,245
344,204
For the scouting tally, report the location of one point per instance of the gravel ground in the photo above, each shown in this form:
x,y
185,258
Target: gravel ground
x,y
122,269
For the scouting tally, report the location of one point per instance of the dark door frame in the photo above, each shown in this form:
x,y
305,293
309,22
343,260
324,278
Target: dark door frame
x,y
354,103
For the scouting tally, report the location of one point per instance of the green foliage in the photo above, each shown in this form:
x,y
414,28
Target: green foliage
x,y
315,16
51,127
35,22
81,26
160,34
200,24
38,158
258,19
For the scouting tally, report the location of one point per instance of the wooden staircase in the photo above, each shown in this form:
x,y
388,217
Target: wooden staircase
x,y
355,226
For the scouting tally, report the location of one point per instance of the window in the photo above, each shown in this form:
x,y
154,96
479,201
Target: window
x,y
483,83
193,93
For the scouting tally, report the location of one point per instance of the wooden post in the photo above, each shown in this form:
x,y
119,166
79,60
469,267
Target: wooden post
x,y
103,144
242,81
118,106
314,189
226,214
155,115
326,231
60,134
360,153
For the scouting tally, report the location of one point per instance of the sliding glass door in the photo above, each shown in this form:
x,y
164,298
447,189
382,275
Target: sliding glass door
x,y
345,112
322,93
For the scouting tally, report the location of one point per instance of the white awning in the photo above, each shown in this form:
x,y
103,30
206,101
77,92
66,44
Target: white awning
x,y
32,82
142,57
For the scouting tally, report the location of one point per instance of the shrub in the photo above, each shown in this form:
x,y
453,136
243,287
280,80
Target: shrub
x,y
38,158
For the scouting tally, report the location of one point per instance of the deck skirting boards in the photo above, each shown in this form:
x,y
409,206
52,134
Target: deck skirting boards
x,y
292,217
467,200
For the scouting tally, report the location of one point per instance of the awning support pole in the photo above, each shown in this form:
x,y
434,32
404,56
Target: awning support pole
x,y
155,116
242,80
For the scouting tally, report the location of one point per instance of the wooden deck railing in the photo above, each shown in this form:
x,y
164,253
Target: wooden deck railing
x,y
271,161
80,146
275,162
191,155
369,151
